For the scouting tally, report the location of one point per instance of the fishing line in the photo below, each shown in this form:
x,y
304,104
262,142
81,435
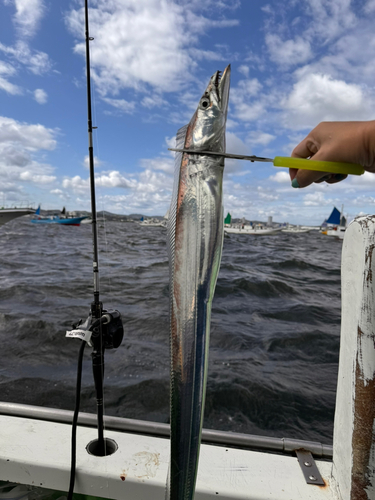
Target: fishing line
x,y
75,420
99,188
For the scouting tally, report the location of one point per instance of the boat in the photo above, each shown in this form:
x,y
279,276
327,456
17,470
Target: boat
x,y
257,230
337,232
63,219
8,214
228,220
335,225
153,222
295,229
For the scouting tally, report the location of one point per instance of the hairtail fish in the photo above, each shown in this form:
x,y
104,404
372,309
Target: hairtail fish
x,y
195,240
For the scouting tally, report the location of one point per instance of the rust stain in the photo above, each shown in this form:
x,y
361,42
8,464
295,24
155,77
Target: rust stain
x,y
149,462
323,487
368,262
123,476
364,416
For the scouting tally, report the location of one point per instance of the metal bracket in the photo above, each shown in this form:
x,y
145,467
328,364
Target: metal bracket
x,y
309,467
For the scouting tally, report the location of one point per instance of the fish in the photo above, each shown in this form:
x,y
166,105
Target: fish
x,y
195,241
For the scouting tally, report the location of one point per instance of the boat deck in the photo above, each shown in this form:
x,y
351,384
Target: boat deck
x,y
138,469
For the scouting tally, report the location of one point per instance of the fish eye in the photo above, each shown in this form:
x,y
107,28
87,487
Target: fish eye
x,y
205,102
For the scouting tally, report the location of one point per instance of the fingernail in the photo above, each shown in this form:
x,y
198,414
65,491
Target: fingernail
x,y
295,183
339,177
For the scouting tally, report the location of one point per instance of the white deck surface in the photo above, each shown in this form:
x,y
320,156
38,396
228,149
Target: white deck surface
x,y
37,452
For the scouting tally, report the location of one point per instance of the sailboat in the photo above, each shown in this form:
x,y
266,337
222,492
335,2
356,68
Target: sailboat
x,y
63,218
335,225
228,220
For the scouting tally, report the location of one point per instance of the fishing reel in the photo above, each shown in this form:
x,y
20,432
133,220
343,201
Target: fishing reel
x,y
111,330
107,331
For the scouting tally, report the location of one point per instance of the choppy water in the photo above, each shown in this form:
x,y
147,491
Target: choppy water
x,y
274,331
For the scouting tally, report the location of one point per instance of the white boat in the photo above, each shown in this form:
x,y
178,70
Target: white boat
x,y
337,232
295,229
8,214
258,229
35,442
153,222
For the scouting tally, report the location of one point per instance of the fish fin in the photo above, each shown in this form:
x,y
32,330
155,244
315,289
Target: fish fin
x,y
180,143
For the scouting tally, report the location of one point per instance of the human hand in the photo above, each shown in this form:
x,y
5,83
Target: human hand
x,y
348,142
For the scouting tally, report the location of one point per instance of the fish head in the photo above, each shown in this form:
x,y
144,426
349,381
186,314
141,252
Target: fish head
x,y
207,125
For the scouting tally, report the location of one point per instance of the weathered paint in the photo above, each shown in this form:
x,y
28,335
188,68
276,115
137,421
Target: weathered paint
x,y
354,447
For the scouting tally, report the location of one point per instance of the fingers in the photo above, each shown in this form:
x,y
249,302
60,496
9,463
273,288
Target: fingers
x,y
305,148
304,178
310,148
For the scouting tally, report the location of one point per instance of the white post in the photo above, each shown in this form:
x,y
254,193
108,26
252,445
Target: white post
x,y
354,446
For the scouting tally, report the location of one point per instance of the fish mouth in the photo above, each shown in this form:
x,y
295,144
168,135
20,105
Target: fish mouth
x,y
222,82
218,75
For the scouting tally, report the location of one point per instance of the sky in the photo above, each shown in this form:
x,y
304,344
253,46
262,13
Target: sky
x,y
294,64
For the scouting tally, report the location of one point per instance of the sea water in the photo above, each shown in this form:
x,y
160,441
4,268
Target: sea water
x,y
274,331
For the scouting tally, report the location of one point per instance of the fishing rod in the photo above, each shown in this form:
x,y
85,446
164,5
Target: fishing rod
x,y
106,327
103,328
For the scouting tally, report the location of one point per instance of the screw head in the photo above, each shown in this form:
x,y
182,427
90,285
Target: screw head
x,y
312,478
307,464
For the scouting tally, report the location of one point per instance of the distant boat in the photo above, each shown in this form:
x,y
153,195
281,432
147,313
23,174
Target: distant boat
x,y
335,225
58,219
153,222
257,230
295,229
228,220
8,214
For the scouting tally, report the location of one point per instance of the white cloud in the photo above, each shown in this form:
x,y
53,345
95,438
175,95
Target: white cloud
x,y
77,185
290,52
366,180
317,97
369,7
245,70
6,71
267,194
144,42
248,101
20,148
258,137
32,137
163,164
113,179
40,96
316,199
36,179
86,162
36,61
110,179
28,15
120,105
330,18
152,101
10,88
280,177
